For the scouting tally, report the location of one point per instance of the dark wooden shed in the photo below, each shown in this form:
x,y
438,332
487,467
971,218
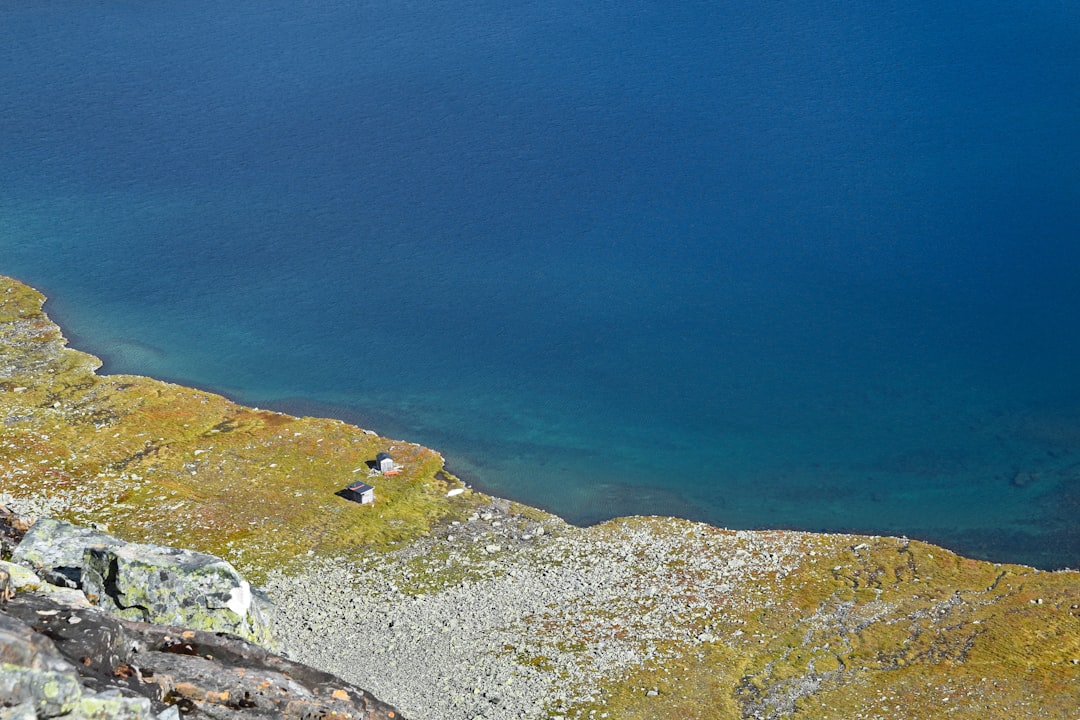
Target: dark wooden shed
x,y
359,492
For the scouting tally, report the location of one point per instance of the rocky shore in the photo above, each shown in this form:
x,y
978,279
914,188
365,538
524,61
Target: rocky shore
x,y
486,620
452,605
654,617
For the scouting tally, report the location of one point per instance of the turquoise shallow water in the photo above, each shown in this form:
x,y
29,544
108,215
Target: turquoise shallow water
x,y
813,267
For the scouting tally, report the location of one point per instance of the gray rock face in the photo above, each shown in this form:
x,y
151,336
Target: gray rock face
x,y
21,647
147,583
61,657
54,550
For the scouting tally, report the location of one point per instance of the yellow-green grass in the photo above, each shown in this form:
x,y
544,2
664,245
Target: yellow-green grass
x,y
157,462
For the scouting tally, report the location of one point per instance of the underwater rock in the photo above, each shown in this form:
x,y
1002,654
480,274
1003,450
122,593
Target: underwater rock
x,y
1023,479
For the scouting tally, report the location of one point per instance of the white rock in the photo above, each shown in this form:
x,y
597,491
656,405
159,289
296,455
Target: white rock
x,y
240,598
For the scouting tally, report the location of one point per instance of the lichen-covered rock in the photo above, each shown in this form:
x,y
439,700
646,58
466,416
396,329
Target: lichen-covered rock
x,y
175,587
39,680
148,583
54,550
21,578
20,646
111,705
48,692
23,711
39,694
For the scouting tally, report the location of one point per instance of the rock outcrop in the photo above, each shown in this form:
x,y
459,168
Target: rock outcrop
x,y
148,583
61,656
82,662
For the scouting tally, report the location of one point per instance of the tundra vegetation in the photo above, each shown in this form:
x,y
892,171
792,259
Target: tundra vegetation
x,y
709,623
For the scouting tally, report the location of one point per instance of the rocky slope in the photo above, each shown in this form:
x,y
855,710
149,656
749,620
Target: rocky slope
x,y
466,606
63,656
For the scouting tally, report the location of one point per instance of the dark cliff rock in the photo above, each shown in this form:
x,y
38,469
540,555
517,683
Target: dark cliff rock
x,y
58,660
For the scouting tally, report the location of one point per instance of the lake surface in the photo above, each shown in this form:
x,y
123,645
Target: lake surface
x,y
788,265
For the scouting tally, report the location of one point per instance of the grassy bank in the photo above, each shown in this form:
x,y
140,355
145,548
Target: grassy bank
x,y
158,462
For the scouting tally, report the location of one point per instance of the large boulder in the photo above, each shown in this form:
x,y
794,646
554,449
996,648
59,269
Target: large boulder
x,y
147,583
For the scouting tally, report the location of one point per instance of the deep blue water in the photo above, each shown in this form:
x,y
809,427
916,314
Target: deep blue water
x,y
805,265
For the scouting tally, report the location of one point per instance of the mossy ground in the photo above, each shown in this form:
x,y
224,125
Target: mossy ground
x,y
867,627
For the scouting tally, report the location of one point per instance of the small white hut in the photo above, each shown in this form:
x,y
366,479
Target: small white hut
x,y
386,465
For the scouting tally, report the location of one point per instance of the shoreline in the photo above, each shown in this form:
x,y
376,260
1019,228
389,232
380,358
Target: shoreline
x,y
459,606
305,407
